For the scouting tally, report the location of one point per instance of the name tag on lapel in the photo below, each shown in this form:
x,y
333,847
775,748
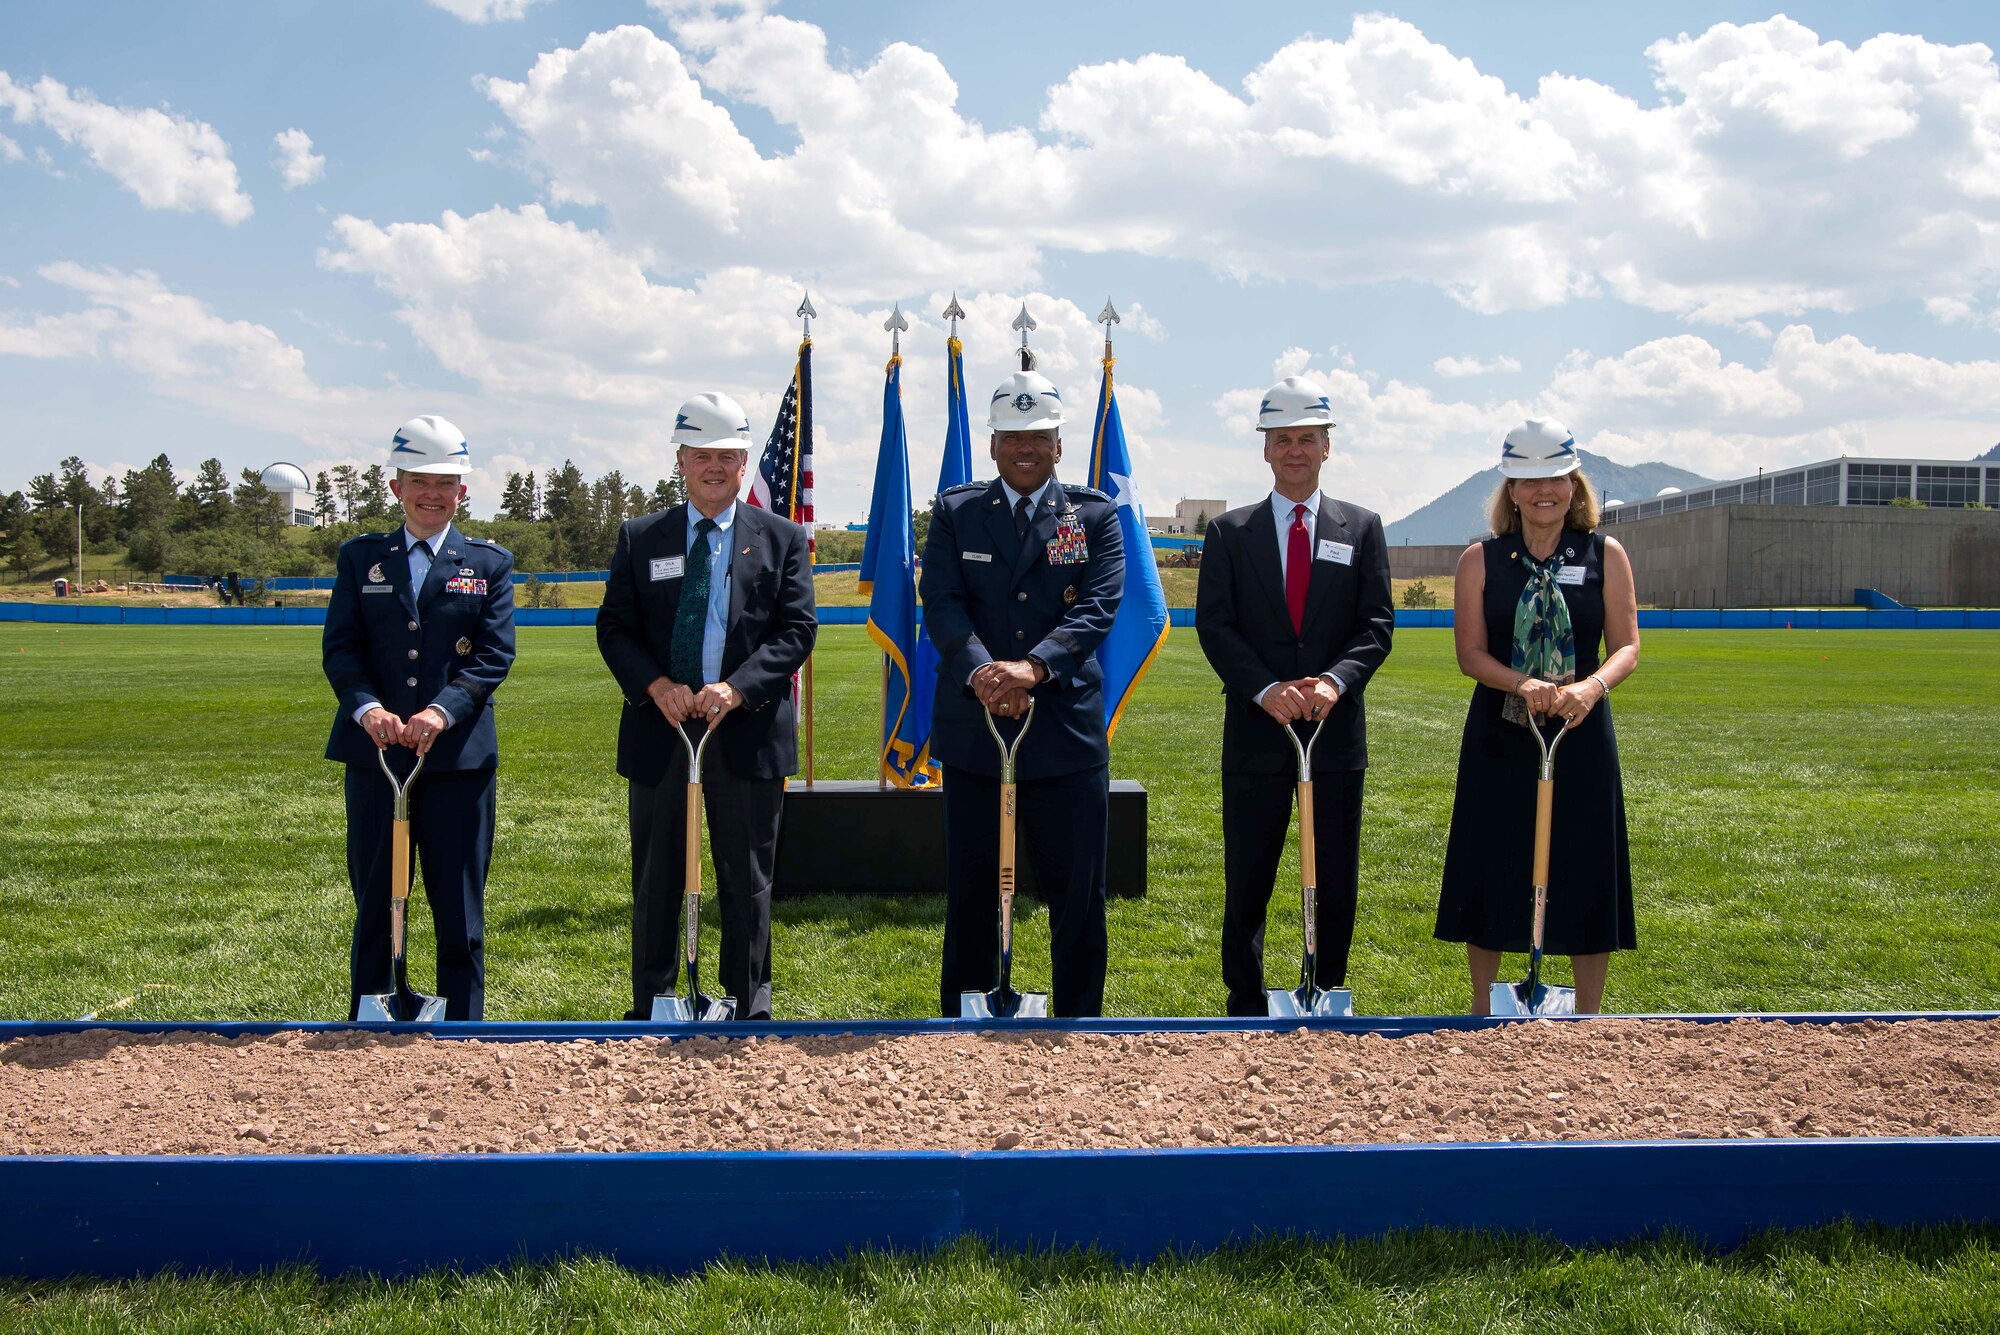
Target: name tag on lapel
x,y
1340,553
378,588
976,556
667,567
1571,574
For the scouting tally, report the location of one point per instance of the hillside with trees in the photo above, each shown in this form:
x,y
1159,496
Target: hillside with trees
x,y
154,522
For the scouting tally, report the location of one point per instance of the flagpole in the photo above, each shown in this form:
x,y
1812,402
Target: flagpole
x,y
806,313
1025,322
895,325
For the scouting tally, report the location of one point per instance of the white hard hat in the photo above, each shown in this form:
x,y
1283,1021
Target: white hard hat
x,y
1539,447
714,420
429,444
1025,401
1294,401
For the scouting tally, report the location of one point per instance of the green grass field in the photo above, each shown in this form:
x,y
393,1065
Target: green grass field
x,y
1812,825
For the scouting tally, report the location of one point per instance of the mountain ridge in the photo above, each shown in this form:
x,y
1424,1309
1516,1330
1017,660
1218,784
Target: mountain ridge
x,y
1459,515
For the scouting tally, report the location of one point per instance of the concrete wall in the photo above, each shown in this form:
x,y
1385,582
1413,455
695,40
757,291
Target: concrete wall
x,y
1424,561
1786,556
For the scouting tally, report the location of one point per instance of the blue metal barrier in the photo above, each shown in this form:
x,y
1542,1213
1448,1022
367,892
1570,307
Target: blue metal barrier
x,y
111,1215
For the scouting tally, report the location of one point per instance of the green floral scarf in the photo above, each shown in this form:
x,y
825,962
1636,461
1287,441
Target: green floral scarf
x,y
1544,643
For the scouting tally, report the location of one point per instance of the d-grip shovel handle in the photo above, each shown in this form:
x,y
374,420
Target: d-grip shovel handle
x,y
1007,753
1308,849
1007,839
399,831
691,869
1545,805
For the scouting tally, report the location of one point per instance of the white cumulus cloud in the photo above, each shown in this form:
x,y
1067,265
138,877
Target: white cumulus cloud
x,y
1769,173
487,11
167,160
1459,367
296,162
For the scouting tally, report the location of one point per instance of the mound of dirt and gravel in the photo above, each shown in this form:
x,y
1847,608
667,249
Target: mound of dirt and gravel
x,y
348,1092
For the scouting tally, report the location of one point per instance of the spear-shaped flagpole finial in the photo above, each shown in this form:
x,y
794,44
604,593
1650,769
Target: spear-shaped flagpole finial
x,y
954,313
1025,322
806,313
1108,317
896,324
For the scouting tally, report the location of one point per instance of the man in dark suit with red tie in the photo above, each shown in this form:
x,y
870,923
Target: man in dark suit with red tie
x,y
1294,612
708,611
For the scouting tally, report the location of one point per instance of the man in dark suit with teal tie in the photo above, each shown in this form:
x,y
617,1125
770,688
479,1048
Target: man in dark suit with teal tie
x,y
708,612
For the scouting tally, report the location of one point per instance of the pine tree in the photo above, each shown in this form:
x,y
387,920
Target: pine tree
x,y
207,504
346,489
149,497
20,547
375,507
259,509
519,499
326,508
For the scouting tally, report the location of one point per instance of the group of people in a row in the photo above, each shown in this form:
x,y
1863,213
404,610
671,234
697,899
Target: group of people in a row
x,y
708,613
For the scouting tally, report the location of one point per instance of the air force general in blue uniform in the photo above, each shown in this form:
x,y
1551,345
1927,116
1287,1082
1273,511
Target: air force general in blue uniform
x,y
1021,579
419,633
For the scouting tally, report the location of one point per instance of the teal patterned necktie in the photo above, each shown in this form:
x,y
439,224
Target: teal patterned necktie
x,y
1544,643
692,615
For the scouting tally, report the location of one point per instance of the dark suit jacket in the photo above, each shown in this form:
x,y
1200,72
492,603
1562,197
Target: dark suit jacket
x,y
1246,631
771,630
448,644
989,596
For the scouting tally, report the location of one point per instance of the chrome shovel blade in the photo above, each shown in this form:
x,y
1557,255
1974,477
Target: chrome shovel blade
x,y
1513,999
672,1008
381,1009
1329,1003
991,1006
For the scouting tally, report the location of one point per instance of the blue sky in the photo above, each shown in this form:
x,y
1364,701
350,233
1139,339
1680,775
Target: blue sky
x,y
1704,233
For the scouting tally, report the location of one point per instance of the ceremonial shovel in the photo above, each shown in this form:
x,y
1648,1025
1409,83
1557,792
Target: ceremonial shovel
x,y
1003,1002
1533,997
1308,998
400,1005
671,1007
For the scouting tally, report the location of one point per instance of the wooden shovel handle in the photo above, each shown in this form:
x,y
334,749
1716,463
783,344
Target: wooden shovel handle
x,y
691,873
1007,801
1545,797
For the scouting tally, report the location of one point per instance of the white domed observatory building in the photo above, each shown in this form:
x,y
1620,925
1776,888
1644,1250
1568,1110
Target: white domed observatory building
x,y
288,482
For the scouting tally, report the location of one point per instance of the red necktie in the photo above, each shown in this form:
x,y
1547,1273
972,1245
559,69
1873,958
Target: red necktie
x,y
1298,569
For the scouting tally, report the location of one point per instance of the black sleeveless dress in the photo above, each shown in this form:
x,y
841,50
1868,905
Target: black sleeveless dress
x,y
1487,897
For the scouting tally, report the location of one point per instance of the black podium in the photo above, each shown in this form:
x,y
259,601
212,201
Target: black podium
x,y
850,837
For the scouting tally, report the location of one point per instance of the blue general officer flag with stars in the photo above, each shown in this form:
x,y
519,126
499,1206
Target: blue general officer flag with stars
x,y
889,578
1141,626
954,469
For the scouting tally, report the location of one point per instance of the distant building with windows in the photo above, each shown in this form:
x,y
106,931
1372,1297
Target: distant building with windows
x,y
1189,513
288,483
1940,484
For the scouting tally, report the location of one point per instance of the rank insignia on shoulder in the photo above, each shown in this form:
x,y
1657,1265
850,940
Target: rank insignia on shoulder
x,y
375,575
464,645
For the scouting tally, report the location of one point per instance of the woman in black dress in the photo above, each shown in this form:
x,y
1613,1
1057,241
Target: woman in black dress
x,y
1530,606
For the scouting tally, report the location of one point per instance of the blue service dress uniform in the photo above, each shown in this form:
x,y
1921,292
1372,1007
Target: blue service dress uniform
x,y
989,595
447,644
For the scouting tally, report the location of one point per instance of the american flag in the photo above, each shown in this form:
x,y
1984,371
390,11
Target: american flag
x,y
784,482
